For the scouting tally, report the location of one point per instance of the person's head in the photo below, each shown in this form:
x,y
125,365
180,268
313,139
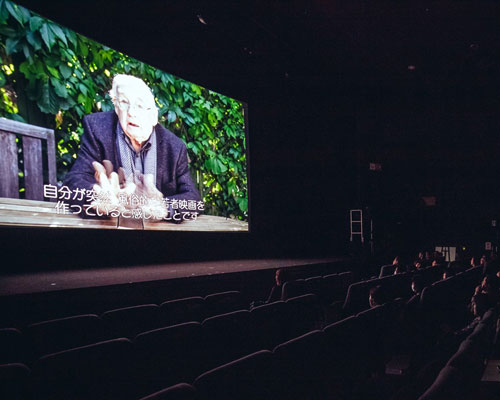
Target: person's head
x,y
376,296
417,284
490,284
135,107
281,276
480,303
483,261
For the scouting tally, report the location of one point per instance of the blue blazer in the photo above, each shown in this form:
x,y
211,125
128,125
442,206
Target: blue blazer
x,y
98,143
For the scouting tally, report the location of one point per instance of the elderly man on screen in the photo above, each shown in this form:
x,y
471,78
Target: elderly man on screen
x,y
131,161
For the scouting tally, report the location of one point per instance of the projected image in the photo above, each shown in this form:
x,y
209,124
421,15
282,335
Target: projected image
x,y
93,138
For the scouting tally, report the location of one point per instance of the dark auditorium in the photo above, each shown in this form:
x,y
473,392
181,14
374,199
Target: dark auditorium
x,y
249,200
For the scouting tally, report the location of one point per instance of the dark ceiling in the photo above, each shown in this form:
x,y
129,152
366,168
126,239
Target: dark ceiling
x,y
332,86
361,46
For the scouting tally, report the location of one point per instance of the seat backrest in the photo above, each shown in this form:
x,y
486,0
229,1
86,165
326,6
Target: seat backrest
x,y
166,356
302,364
314,285
97,371
33,160
182,310
66,333
14,346
223,302
303,315
268,322
449,384
15,381
356,299
248,378
228,336
129,321
181,391
293,289
386,270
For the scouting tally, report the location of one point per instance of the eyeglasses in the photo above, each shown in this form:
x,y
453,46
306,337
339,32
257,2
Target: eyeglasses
x,y
124,104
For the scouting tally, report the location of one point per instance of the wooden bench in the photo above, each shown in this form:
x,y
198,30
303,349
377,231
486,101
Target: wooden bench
x,y
32,155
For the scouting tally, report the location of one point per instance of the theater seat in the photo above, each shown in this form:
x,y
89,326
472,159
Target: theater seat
x,y
182,310
224,302
303,315
181,391
293,289
228,336
249,378
14,346
448,385
169,355
129,321
99,371
15,382
66,333
302,365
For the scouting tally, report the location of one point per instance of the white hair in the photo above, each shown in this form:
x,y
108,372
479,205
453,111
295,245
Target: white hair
x,y
129,80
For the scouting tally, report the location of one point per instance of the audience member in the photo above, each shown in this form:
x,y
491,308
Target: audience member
x,y
280,278
490,287
377,296
417,285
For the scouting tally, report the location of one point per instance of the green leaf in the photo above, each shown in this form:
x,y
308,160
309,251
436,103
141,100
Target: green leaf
x,y
4,14
242,203
9,32
26,51
59,33
34,40
53,71
171,116
47,36
11,46
60,89
66,71
3,80
19,13
16,117
72,37
36,22
47,102
216,166
83,89
84,50
196,89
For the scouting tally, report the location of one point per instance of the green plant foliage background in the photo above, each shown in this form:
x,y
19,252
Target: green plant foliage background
x,y
51,76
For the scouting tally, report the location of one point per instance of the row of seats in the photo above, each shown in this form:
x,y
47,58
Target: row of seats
x,y
46,337
273,322
327,288
235,362
394,286
458,376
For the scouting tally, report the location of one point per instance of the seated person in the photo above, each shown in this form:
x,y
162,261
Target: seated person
x,y
280,278
151,162
490,287
480,303
417,285
377,296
